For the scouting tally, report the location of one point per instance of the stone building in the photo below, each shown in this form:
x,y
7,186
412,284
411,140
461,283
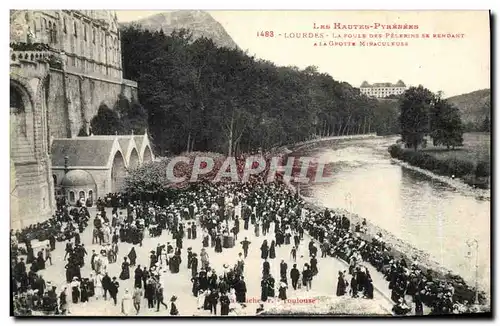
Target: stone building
x,y
381,90
95,166
64,65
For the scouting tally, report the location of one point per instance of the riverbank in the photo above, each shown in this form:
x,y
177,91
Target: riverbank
x,y
457,184
401,249
474,174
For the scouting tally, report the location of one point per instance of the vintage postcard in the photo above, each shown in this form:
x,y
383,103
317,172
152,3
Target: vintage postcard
x,y
250,163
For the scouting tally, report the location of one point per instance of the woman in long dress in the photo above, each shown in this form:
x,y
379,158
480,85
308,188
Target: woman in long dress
x,y
257,229
272,250
127,306
125,274
98,286
218,243
341,285
264,250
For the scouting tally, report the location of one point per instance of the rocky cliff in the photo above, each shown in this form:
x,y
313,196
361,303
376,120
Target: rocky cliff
x,y
199,22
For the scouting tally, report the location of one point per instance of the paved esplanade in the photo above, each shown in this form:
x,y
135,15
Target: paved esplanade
x,y
324,283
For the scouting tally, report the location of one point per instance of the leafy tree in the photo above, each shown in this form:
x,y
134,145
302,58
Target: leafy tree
x,y
106,122
82,132
414,119
446,125
133,116
486,125
200,97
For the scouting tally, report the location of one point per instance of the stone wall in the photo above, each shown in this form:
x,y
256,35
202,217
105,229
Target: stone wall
x,y
75,99
32,197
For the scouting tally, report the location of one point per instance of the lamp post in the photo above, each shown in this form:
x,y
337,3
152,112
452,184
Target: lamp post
x,y
474,244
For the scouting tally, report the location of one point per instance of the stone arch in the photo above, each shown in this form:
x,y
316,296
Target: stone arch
x,y
133,161
118,173
148,155
21,114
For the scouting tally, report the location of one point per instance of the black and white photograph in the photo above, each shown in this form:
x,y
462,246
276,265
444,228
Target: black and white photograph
x,y
250,163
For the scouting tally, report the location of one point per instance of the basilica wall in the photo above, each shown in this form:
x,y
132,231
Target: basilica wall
x,y
64,64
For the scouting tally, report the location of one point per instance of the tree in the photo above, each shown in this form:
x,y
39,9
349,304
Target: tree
x,y
106,122
414,119
446,126
486,125
201,97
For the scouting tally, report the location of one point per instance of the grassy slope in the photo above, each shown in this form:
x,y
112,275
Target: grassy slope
x,y
473,106
476,148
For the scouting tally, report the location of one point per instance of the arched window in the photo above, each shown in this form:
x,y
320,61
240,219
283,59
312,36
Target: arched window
x,y
65,28
71,196
85,32
44,23
55,179
91,193
81,195
75,29
93,35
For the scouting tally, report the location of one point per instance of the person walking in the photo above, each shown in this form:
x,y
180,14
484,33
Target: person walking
x,y
136,298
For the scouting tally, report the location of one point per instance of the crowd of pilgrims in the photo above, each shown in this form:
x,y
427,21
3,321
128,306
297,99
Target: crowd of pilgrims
x,y
203,212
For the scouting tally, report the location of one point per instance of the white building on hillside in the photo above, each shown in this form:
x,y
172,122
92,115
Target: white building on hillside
x,y
381,90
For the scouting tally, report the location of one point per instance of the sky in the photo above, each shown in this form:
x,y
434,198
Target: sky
x,y
452,65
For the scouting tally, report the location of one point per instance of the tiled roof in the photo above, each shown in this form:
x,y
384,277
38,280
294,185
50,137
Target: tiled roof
x,y
138,141
124,143
82,151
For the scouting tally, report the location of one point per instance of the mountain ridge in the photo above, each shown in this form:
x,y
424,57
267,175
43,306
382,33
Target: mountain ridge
x,y
474,107
199,22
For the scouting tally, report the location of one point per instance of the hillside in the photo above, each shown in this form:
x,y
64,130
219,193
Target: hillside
x,y
199,22
474,107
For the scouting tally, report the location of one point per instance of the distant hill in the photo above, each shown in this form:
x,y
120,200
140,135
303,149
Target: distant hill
x,y
474,107
199,22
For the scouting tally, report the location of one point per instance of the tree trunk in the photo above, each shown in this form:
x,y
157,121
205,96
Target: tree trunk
x,y
188,142
230,140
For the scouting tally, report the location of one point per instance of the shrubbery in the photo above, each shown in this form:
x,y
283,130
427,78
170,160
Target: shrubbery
x,y
449,167
483,169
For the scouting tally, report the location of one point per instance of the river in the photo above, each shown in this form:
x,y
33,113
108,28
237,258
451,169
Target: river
x,y
428,214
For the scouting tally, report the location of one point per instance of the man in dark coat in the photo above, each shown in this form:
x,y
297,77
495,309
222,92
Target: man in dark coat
x,y
294,275
264,288
241,290
189,257
138,277
194,265
193,230
224,304
266,267
244,244
113,289
106,284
